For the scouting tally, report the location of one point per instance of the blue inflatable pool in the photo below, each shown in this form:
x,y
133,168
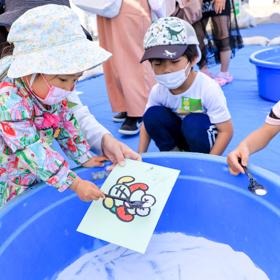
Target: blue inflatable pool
x,y
38,236
267,64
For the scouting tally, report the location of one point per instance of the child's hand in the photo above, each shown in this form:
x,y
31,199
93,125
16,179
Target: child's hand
x,y
95,161
234,166
86,190
116,151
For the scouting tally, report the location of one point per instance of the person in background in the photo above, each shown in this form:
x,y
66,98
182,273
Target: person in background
x,y
128,83
96,135
186,110
225,39
35,83
11,10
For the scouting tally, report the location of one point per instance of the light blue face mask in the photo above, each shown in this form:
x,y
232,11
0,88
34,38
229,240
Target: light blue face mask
x,y
173,80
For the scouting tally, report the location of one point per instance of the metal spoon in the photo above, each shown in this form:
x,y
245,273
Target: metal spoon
x,y
132,204
254,187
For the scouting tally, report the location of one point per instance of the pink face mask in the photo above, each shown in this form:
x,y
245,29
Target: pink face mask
x,y
55,94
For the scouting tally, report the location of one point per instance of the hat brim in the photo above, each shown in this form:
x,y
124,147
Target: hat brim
x,y
164,52
167,52
69,58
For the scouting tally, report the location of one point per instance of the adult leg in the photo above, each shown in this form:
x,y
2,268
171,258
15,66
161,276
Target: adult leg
x,y
221,29
113,84
225,59
199,133
199,28
128,82
164,127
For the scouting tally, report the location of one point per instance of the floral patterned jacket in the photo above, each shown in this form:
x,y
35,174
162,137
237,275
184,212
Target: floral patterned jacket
x,y
26,155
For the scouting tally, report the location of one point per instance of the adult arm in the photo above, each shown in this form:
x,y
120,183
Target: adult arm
x,y
100,140
91,128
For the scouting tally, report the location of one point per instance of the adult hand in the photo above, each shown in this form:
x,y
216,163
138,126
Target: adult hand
x,y
220,5
86,190
116,151
233,164
95,161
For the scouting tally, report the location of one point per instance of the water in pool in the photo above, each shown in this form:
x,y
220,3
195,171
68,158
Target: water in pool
x,y
169,256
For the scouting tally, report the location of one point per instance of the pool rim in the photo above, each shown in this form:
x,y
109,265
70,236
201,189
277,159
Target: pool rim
x,y
261,172
263,63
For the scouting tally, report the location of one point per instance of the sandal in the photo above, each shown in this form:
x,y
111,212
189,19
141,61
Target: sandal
x,y
223,79
206,71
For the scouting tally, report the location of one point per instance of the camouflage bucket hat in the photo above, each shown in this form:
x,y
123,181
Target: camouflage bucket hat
x,y
168,38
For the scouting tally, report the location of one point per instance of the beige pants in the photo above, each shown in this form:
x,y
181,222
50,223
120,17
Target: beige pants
x,y
128,82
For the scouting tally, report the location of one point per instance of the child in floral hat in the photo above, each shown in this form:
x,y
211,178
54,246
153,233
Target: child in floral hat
x,y
50,54
186,110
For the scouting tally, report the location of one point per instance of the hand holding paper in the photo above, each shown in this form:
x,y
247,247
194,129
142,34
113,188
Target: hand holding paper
x,y
114,220
86,190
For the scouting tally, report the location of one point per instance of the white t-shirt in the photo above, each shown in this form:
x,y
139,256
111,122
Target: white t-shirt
x,y
91,128
204,96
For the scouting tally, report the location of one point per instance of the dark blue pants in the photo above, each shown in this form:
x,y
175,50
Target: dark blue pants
x,y
194,133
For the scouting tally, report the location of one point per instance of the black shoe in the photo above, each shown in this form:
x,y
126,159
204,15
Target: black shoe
x,y
131,126
120,117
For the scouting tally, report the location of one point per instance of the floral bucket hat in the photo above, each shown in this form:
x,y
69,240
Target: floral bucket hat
x,y
50,40
168,38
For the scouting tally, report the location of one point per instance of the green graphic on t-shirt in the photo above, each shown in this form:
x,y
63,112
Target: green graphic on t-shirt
x,y
190,104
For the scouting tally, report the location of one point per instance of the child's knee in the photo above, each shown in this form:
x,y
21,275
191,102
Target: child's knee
x,y
194,121
195,125
154,112
154,115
